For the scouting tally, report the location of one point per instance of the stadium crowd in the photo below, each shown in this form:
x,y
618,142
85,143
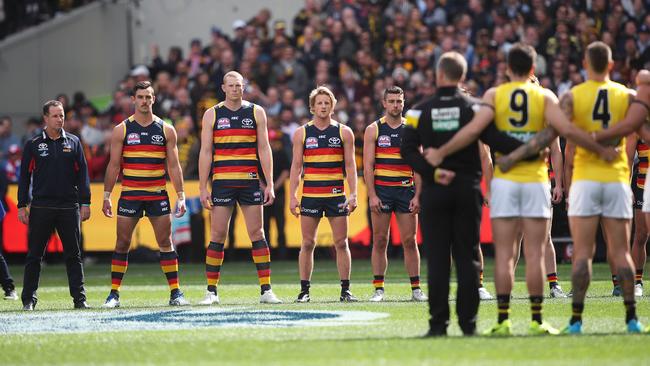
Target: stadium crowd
x,y
357,48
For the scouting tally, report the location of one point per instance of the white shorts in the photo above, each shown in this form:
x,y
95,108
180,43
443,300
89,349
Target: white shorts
x,y
589,198
514,199
646,200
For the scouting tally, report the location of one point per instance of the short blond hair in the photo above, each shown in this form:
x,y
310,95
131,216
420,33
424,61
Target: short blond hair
x,y
233,74
321,90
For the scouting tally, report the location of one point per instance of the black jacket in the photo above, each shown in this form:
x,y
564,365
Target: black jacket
x,y
57,172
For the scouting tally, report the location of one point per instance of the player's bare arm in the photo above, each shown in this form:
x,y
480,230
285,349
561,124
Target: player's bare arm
x,y
557,162
174,168
266,157
634,119
487,169
113,168
531,148
350,166
205,157
467,134
296,170
369,139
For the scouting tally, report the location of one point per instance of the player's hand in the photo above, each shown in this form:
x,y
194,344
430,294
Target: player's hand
x,y
294,206
443,176
269,195
643,77
414,205
609,154
23,215
181,208
505,163
557,194
375,204
107,208
486,198
350,202
433,156
84,213
206,199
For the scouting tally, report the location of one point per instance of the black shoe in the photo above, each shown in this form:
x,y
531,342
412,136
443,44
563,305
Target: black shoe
x,y
303,297
346,296
81,305
29,306
435,333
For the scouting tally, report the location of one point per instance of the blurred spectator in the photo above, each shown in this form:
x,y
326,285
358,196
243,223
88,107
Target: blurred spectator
x,y
281,166
7,137
33,127
11,166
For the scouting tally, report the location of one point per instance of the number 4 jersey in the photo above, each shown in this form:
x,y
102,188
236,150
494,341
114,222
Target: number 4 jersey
x,y
597,106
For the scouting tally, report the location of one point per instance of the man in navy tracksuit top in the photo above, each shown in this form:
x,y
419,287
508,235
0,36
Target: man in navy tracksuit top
x,y
55,166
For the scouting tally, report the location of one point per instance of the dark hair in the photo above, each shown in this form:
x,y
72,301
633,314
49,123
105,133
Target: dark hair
x,y
393,90
51,103
599,55
141,85
521,59
453,65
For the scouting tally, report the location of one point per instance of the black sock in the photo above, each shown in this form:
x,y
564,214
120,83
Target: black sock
x,y
213,289
630,310
503,305
175,291
345,285
536,308
614,280
304,286
577,308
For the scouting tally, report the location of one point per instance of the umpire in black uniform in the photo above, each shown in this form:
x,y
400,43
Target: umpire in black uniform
x,y
54,163
450,213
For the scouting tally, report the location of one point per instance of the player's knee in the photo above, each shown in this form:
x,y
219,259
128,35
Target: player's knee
x,y
581,267
308,245
341,243
218,236
380,243
257,234
409,243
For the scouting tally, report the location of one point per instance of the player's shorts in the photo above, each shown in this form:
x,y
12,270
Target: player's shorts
x,y
317,206
638,196
646,200
395,199
515,199
133,208
589,198
245,196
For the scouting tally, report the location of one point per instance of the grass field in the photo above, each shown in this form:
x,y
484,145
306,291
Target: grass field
x,y
393,338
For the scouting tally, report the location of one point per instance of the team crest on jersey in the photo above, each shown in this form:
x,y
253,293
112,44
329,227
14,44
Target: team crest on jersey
x,y
132,139
42,149
157,139
383,141
337,190
223,123
66,147
334,141
311,143
247,123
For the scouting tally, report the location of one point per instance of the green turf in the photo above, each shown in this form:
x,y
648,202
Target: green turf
x,y
388,341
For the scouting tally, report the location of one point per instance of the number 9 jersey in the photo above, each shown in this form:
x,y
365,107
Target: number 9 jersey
x,y
519,112
597,106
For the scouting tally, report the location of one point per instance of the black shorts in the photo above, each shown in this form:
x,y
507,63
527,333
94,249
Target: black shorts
x,y
245,196
133,208
638,196
395,199
317,206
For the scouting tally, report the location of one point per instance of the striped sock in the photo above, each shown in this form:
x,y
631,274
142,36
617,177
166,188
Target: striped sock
x,y
262,259
415,282
503,305
552,279
169,265
638,277
630,310
378,282
119,263
576,315
480,278
615,280
536,308
213,261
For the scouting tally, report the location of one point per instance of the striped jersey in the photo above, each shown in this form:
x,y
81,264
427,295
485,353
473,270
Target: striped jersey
x,y
642,151
144,154
323,161
235,160
390,169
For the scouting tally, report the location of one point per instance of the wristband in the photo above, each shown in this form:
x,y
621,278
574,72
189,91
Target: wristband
x,y
107,196
181,195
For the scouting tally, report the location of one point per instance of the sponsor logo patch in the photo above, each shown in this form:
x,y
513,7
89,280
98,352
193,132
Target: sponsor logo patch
x,y
132,139
126,210
311,143
42,149
157,139
445,119
223,123
334,141
247,123
383,141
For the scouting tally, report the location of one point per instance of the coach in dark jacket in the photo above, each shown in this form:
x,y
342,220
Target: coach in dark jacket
x,y
55,166
451,198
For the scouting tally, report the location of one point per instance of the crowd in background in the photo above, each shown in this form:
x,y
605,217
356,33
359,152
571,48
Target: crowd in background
x,y
357,48
17,15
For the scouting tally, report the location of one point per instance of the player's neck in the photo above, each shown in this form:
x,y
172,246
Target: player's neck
x,y
393,122
233,104
519,79
597,77
322,123
143,119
